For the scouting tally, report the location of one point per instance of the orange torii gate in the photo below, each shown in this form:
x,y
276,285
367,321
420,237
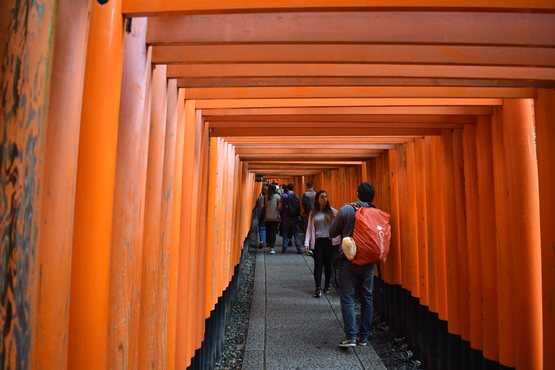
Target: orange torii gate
x,y
131,142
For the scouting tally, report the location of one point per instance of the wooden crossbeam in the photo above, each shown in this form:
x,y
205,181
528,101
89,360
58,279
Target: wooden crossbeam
x,y
304,92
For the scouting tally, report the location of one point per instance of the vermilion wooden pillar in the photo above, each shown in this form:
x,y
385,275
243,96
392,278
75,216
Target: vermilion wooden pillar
x,y
435,232
169,255
191,293
545,116
525,244
462,248
58,188
488,231
505,288
412,218
395,247
214,217
202,159
176,230
88,328
404,224
27,49
451,242
473,249
153,306
129,200
420,184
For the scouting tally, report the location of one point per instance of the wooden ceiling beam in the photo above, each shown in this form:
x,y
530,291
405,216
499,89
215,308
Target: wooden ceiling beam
x,y
317,146
360,69
326,125
308,156
391,118
410,110
391,103
355,53
287,150
303,92
187,82
332,131
342,26
323,140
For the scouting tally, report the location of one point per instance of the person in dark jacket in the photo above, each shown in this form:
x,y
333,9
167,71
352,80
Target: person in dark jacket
x,y
350,275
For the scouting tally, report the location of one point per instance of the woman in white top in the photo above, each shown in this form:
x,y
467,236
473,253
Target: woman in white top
x,y
317,239
272,218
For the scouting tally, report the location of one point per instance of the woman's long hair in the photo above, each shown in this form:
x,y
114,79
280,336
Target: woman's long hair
x,y
328,213
272,189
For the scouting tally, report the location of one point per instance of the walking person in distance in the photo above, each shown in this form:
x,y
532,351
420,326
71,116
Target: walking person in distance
x,y
291,211
318,240
261,211
272,217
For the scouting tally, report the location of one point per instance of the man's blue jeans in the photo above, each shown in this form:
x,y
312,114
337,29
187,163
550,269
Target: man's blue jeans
x,y
290,229
349,275
262,230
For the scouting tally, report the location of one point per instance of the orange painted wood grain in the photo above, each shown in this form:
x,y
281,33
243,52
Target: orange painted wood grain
x,y
61,145
90,274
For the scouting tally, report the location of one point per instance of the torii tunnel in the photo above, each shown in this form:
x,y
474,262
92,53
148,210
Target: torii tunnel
x,y
133,132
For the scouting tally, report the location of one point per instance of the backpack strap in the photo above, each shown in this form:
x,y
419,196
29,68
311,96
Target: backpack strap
x,y
356,206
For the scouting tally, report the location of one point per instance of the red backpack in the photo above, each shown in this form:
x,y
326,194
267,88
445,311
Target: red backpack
x,y
372,235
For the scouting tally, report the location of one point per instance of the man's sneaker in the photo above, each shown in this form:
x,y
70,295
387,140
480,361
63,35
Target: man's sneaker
x,y
284,251
327,289
348,342
310,253
272,251
362,341
317,293
299,251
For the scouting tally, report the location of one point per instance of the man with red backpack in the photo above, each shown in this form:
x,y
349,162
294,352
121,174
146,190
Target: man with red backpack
x,y
352,273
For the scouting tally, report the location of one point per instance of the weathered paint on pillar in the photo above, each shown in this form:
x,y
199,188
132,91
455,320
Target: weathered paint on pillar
x,y
153,306
175,112
27,49
525,243
545,116
129,202
58,191
187,269
166,257
92,234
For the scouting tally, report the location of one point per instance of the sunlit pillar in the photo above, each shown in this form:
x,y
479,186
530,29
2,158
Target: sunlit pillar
x,y
129,200
92,234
